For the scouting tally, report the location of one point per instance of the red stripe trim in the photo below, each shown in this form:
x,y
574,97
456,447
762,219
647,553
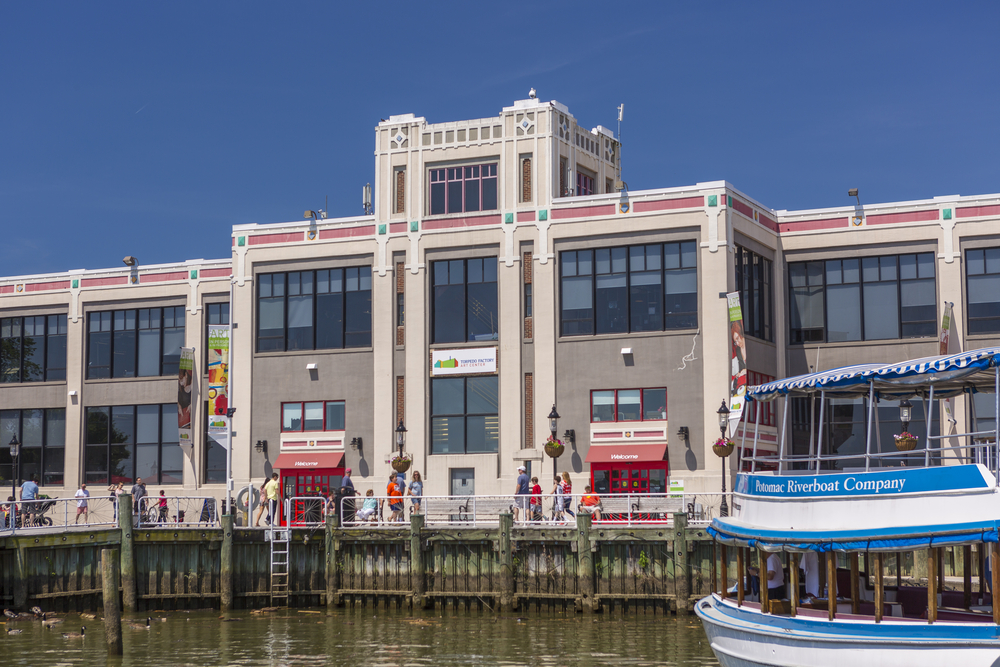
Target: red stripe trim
x,y
743,208
397,227
583,212
806,225
6,289
41,287
347,232
668,204
910,216
768,222
161,277
526,216
216,273
449,223
599,436
97,282
264,239
976,211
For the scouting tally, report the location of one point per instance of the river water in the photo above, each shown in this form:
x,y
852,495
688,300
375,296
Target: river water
x,y
367,637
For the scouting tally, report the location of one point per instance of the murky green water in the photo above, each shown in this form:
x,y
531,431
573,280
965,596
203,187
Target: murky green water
x,y
366,637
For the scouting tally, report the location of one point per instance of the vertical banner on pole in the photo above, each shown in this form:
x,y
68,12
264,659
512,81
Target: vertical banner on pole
x,y
738,383
186,398
945,339
218,384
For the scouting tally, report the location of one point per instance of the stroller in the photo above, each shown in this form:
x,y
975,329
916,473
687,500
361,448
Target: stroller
x,y
32,512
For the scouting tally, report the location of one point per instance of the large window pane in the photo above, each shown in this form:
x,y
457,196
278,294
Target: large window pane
x,y
124,344
271,324
843,304
291,417
629,403
358,326
149,353
335,416
329,321
612,304
654,404
448,435
313,420
482,395
300,319
881,311
147,423
448,396
983,280
482,433
602,406
173,339
577,306
681,298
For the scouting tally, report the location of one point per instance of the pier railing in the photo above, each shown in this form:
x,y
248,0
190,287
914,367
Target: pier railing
x,y
623,509
177,511
52,513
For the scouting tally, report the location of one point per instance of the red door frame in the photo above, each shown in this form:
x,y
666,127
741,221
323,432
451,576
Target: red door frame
x,y
320,483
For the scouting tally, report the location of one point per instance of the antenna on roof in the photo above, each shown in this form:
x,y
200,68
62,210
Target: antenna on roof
x,y
366,198
619,183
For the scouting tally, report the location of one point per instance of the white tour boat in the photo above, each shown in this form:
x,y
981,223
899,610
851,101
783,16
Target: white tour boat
x,y
863,507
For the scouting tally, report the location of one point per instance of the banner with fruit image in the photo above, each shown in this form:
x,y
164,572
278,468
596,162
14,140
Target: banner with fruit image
x,y
186,397
218,384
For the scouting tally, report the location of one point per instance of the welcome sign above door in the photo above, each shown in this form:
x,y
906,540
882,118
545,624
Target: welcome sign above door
x,y
464,361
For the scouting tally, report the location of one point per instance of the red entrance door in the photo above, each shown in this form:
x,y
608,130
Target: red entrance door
x,y
301,486
639,477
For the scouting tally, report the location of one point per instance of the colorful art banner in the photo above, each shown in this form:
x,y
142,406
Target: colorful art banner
x,y
945,339
218,384
738,380
186,399
464,361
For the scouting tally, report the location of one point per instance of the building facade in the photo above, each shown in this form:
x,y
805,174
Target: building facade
x,y
502,273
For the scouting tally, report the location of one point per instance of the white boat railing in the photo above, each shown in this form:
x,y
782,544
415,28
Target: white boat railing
x,y
620,509
173,511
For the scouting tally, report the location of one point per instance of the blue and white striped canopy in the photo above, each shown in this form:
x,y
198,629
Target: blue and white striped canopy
x,y
951,374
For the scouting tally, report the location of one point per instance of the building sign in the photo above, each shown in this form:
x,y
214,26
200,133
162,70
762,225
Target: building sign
x,y
185,399
464,361
738,380
677,488
218,384
882,483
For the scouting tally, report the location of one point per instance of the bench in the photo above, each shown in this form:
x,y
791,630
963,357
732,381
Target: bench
x,y
466,509
622,507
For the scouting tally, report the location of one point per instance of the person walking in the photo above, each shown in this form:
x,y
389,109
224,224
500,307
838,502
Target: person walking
x,y
416,491
272,491
347,481
263,502
114,492
557,504
163,507
522,493
138,493
395,498
567,487
81,495
29,493
536,500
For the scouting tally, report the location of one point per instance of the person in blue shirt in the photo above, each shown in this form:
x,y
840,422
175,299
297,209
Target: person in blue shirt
x,y
522,494
29,490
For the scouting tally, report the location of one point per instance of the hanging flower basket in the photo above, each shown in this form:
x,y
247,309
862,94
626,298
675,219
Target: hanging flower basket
x,y
723,447
554,448
401,462
905,442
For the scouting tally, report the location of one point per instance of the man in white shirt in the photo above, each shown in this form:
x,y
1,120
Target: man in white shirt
x,y
810,567
775,578
82,503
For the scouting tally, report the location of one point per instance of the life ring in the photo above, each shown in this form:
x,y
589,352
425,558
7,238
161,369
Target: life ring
x,y
241,499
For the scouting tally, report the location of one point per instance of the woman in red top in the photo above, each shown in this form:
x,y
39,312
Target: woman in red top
x,y
536,500
567,489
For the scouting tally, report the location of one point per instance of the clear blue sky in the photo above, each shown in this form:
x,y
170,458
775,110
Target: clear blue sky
x,y
150,128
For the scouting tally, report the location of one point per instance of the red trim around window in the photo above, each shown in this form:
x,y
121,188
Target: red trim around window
x,y
642,404
302,419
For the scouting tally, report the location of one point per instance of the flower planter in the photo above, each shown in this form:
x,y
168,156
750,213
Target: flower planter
x,y
554,449
723,449
906,444
401,465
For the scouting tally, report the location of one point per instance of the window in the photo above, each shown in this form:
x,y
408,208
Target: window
x,y
33,349
753,280
312,416
628,405
753,408
144,342
314,310
584,183
465,300
464,189
982,273
399,205
871,298
464,415
626,289
129,441
527,300
215,455
525,179
42,434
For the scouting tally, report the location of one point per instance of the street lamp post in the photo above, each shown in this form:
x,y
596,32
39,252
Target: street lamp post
x,y
723,451
553,427
15,447
400,436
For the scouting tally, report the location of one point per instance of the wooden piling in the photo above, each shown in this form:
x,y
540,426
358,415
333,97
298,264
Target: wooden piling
x,y
506,562
682,587
932,584
129,594
879,586
417,579
793,575
585,562
226,564
112,614
831,584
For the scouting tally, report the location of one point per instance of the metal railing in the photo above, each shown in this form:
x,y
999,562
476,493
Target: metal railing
x,y
626,509
172,511
301,511
54,513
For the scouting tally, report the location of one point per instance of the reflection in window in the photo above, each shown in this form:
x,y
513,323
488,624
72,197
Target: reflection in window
x,y
465,415
33,349
610,405
314,310
465,303
872,298
144,342
982,273
753,280
42,434
627,289
128,441
463,189
312,416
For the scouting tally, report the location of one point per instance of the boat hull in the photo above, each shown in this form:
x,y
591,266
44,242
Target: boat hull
x,y
743,637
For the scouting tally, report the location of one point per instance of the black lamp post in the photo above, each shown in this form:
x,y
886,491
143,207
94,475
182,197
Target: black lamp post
x,y
15,447
723,452
905,412
400,436
553,421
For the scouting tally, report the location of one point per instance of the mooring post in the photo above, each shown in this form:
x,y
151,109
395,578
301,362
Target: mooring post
x,y
127,553
112,614
21,585
417,561
506,562
585,561
226,564
332,573
682,587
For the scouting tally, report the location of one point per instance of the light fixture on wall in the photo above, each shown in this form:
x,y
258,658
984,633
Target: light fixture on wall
x,y
569,435
129,260
311,367
356,443
261,446
684,433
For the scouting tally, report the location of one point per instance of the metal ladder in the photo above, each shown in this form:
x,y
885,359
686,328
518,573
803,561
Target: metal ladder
x,y
279,539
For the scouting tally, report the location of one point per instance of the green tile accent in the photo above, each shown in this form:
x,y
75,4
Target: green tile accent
x,y
241,241
381,229
713,200
415,226
730,200
76,284
508,218
947,214
543,214
194,274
